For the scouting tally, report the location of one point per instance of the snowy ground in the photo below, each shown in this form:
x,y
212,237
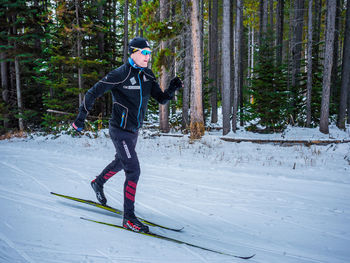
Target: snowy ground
x,y
284,204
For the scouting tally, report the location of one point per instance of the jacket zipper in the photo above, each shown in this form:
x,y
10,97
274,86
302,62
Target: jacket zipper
x,y
138,115
123,116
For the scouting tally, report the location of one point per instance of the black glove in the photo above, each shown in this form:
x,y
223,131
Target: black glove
x,y
78,124
175,84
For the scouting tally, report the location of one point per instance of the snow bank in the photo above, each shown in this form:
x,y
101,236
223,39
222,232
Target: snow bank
x,y
286,204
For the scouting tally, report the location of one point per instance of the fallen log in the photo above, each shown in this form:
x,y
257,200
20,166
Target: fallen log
x,y
284,142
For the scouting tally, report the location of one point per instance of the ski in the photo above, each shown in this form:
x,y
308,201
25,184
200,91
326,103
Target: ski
x,y
151,234
113,210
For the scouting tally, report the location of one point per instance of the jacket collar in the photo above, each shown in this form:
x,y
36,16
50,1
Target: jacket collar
x,y
133,64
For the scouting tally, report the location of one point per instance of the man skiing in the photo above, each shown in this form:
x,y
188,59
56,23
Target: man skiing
x,y
132,84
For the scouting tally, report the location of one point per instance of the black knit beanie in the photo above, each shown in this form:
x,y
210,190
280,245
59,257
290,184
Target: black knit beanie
x,y
138,42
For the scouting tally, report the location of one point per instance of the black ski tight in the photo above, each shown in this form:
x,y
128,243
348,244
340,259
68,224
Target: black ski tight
x,y
125,159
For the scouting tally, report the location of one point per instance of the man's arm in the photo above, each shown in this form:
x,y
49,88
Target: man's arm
x,y
100,88
168,94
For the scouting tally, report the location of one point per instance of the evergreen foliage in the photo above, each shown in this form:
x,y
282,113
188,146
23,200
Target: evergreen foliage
x,y
61,78
269,108
23,33
157,31
45,35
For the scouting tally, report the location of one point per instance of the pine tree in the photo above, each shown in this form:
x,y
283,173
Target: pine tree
x,y
126,29
186,58
22,38
163,30
226,63
164,73
309,65
95,57
296,58
197,124
328,63
213,59
270,109
5,84
237,62
279,31
345,76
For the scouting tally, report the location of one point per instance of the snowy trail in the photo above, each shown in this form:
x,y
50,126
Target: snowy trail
x,y
239,198
295,196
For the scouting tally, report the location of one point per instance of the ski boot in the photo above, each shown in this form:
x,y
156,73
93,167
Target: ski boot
x,y
99,192
131,222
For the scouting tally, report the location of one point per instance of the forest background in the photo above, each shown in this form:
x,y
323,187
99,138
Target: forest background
x,y
258,65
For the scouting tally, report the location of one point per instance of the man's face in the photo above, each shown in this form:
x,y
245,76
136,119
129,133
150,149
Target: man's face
x,y
139,59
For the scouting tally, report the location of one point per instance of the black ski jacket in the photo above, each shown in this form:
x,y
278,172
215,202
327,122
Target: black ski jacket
x,y
131,89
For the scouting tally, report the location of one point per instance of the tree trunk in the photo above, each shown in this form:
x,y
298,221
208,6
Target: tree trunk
x,y
317,32
252,41
345,75
297,37
164,74
173,60
201,26
279,31
263,18
213,55
18,79
271,13
226,67
80,70
232,55
101,47
249,58
348,118
138,4
243,65
126,28
187,68
4,77
4,81
197,124
328,63
237,61
309,66
114,23
19,94
100,34
37,26
334,77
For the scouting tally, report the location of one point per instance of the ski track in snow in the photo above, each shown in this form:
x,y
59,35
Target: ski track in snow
x,y
236,226
255,204
218,190
10,244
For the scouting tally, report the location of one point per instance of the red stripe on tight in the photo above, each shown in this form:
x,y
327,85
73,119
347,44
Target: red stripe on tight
x,y
131,190
130,197
109,175
132,184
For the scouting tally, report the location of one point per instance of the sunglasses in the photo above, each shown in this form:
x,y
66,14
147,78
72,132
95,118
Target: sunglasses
x,y
144,52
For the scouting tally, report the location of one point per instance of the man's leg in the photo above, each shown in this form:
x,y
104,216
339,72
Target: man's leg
x,y
125,143
110,170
